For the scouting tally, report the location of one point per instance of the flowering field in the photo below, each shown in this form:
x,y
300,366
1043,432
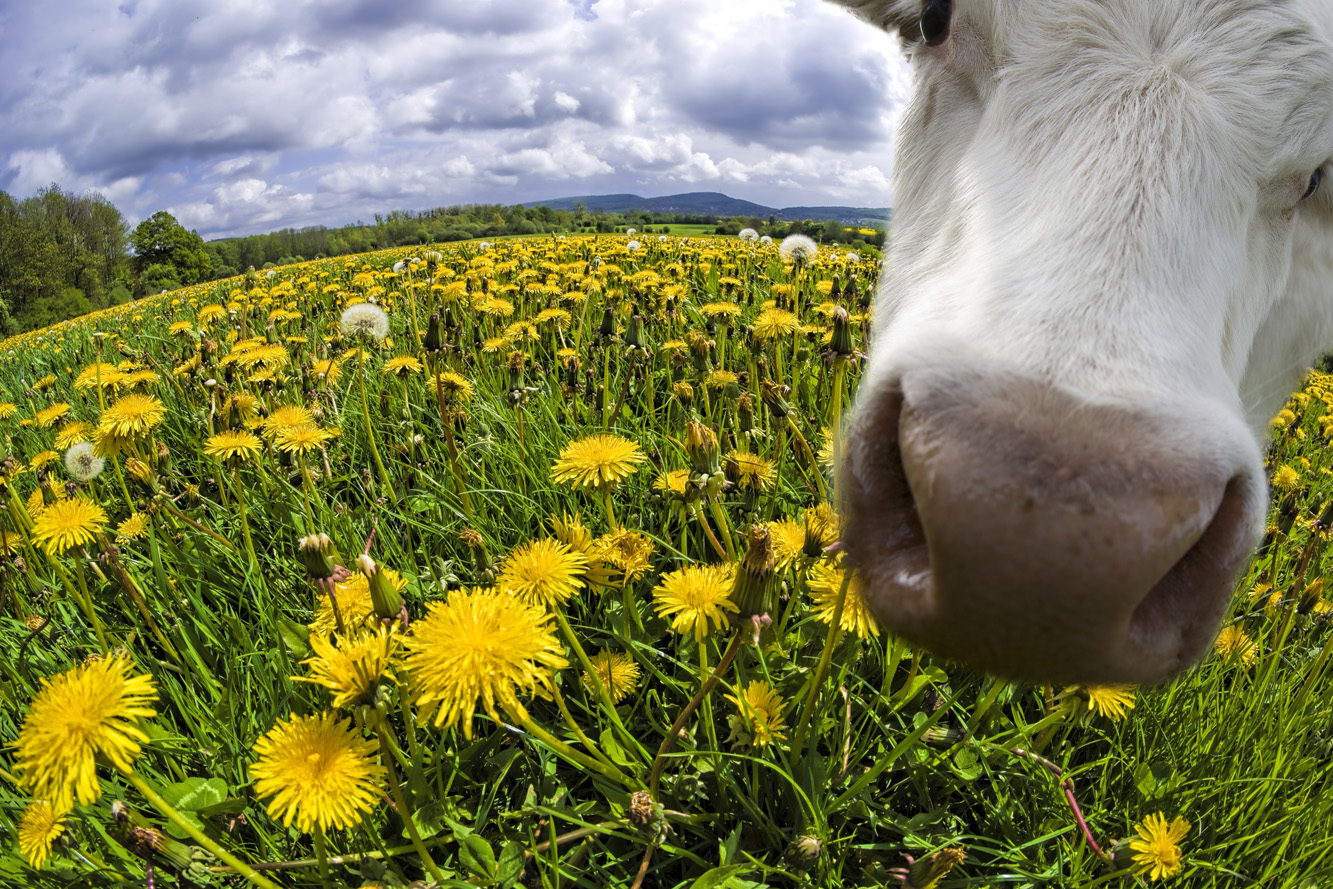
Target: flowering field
x,y
515,565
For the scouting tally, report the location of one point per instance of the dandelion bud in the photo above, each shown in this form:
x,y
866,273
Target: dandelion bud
x,y
841,341
804,851
634,335
647,815
516,381
608,326
1311,596
684,392
318,554
930,869
1286,513
942,736
142,473
384,595
753,588
434,336
701,446
775,396
745,414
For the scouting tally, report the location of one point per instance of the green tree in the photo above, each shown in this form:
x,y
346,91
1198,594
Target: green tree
x,y
162,241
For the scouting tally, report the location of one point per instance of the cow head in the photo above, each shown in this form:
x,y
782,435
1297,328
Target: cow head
x,y
1111,260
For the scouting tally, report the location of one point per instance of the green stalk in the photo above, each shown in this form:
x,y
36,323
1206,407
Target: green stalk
x,y
196,834
603,694
835,632
574,756
322,856
578,732
404,812
370,432
659,762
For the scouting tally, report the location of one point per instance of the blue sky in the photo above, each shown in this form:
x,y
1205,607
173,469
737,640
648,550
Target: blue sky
x,y
240,116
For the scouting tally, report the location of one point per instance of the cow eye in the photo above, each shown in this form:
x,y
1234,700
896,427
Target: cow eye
x,y
1315,178
935,17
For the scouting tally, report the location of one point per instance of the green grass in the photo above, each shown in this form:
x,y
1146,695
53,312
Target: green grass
x,y
903,754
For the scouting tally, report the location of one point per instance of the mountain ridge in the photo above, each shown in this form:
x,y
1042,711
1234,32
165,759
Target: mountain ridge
x,y
715,203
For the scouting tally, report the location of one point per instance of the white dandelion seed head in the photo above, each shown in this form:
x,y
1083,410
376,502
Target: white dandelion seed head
x,y
631,232
662,238
632,246
766,240
433,256
798,248
82,462
484,246
399,267
270,273
852,256
366,319
748,234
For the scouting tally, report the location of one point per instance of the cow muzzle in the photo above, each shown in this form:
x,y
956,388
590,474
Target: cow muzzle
x,y
1017,527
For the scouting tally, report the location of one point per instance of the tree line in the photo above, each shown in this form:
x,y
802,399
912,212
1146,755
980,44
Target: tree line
x,y
63,255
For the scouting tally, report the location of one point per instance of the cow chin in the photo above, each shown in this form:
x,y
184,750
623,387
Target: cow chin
x,y
1022,529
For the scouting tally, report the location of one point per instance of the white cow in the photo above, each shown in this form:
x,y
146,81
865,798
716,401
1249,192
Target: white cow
x,y
1111,261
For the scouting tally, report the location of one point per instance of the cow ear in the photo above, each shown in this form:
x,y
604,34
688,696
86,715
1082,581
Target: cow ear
x,y
902,16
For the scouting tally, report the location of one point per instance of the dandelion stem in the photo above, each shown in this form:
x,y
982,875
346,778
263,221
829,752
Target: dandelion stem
x,y
370,431
573,755
403,811
195,833
659,762
322,856
574,727
834,633
603,694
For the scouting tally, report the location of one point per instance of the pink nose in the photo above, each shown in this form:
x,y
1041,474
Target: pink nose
x,y
1017,528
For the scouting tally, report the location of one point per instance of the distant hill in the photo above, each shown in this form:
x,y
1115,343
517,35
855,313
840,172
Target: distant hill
x,y
714,203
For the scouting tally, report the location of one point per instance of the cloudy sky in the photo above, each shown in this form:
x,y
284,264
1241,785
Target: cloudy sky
x,y
242,116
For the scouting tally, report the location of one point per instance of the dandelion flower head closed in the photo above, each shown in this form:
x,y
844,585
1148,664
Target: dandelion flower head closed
x,y
82,462
480,644
597,461
83,713
1157,847
365,319
319,771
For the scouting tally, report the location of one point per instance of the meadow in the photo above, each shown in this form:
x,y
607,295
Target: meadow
x,y
517,564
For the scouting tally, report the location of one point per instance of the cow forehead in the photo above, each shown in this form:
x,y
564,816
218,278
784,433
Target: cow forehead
x,y
1267,65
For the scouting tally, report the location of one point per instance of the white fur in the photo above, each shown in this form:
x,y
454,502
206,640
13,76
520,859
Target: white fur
x,y
1105,193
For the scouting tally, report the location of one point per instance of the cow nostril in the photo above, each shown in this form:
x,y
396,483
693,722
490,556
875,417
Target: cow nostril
x,y
1179,615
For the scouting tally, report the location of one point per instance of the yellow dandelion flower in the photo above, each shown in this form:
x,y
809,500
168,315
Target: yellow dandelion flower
x,y
80,715
1285,478
598,461
751,471
571,531
788,540
353,666
132,528
39,827
618,672
825,583
481,644
624,549
545,572
1234,644
237,444
211,313
7,410
823,528
760,720
43,458
402,365
1157,846
672,482
695,597
244,405
132,415
46,417
300,439
287,415
354,603
1111,701
98,374
455,388
774,323
68,523
329,369
319,771
72,433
